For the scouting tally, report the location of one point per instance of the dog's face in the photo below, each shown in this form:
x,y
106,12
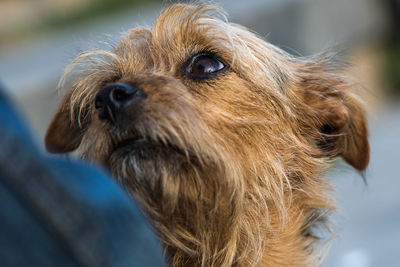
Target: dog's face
x,y
221,136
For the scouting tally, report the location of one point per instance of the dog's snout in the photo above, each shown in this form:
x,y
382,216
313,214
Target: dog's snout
x,y
111,99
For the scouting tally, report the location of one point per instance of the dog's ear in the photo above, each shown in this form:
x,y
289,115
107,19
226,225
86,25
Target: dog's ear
x,y
63,134
333,115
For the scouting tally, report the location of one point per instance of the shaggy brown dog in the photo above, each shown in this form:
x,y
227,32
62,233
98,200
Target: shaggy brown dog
x,y
222,137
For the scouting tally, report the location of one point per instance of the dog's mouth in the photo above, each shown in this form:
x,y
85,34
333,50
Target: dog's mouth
x,y
144,147
130,142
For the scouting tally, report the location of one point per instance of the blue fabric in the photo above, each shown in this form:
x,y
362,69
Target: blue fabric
x,y
55,212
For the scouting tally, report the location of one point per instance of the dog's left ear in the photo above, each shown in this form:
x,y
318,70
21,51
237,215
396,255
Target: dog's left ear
x,y
332,115
63,134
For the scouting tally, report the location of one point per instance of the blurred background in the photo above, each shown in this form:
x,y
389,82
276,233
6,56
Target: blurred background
x,y
38,38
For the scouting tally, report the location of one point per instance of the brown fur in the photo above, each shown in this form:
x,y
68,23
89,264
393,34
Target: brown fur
x,y
230,169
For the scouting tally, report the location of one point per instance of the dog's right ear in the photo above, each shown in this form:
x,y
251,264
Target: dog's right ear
x,y
334,117
63,134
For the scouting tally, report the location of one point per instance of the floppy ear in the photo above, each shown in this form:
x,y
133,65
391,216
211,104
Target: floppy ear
x,y
63,134
334,115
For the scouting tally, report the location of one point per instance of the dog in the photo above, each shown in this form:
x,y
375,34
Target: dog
x,y
222,137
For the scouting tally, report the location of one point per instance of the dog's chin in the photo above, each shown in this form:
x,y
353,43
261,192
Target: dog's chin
x,y
141,164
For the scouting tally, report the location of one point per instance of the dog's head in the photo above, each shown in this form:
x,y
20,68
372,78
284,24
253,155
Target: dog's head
x,y
220,135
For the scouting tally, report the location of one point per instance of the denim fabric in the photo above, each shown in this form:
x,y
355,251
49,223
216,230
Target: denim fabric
x,y
55,212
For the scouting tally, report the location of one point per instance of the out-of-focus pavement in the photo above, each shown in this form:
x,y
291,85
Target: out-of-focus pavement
x,y
368,225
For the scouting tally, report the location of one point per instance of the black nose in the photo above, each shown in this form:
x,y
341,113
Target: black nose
x,y
114,98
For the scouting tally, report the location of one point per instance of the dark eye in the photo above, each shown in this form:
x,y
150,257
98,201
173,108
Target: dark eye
x,y
204,66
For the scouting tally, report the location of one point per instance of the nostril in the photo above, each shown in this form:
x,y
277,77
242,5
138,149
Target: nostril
x,y
123,93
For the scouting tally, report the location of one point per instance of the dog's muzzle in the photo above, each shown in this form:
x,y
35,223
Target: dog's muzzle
x,y
113,99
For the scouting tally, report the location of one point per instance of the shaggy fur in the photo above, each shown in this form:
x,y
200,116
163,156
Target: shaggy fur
x,y
230,168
